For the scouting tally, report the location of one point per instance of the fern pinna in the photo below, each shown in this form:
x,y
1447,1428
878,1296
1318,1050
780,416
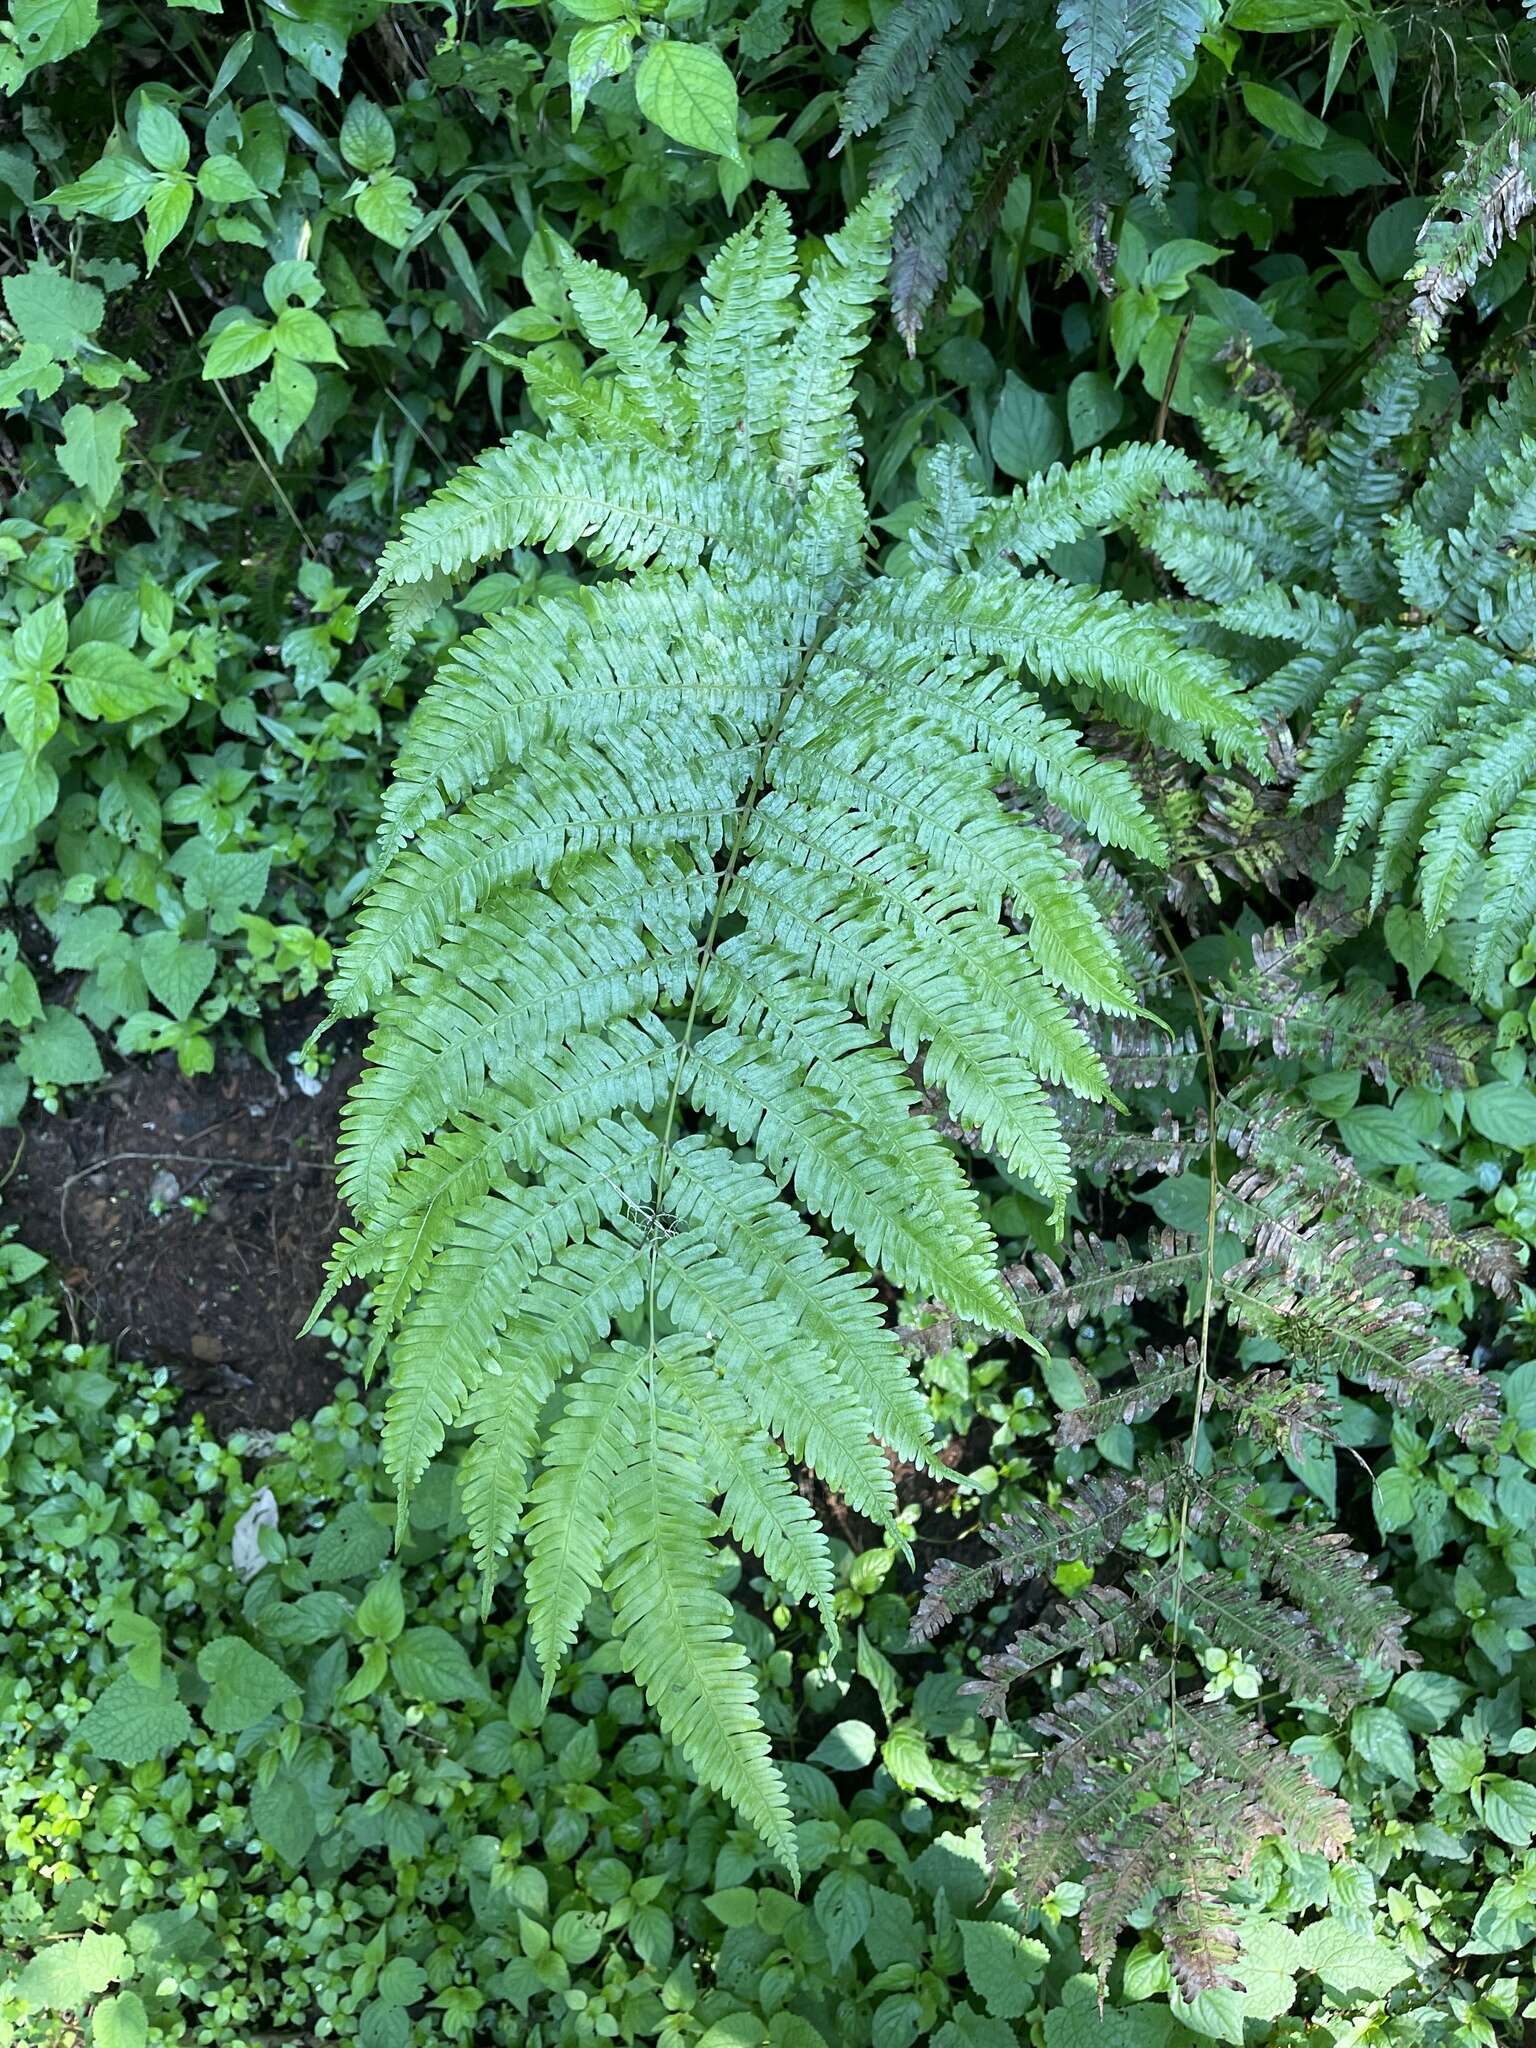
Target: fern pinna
x,y
683,870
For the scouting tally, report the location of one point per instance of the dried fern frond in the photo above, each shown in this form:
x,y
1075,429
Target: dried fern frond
x,y
1160,1376
1482,202
1101,1275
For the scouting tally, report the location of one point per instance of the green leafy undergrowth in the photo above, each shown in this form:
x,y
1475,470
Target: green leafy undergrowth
x,y
273,1777
323,1796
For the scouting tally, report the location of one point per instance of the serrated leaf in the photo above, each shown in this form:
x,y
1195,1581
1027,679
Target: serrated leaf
x,y
429,1664
284,402
238,346
120,2022
131,1723
47,30
56,312
60,1051
176,971
1003,1967
367,140
161,138
115,188
66,1975
245,1685
165,215
1508,1807
387,207
688,91
283,1814
91,453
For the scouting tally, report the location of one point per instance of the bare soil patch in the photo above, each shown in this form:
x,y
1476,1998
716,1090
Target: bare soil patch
x,y
191,1219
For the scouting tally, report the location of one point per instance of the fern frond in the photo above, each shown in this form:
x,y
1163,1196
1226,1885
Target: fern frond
x,y
1370,1330
1162,36
1280,1640
571,1508
1356,1026
759,1503
733,363
1093,39
816,423
1482,203
1161,1376
633,347
1278,1784
1322,1575
895,57
1100,1276
1104,492
675,1624
1099,1625
640,1002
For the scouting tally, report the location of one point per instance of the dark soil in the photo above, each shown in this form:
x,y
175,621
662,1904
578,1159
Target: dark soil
x,y
219,1296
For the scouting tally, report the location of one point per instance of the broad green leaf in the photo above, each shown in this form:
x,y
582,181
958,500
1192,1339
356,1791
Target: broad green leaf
x,y
304,335
120,2022
30,706
245,1685
239,345
176,971
131,1723
283,1814
116,188
65,1976
430,1664
688,91
315,33
226,181
45,31
91,453
1505,1113
367,139
1382,1740
1026,435
1003,1967
1352,1965
604,49
843,1911
381,1611
41,641
1285,116
1508,1807
60,1051
850,1746
103,680
284,402
1094,408
60,313
165,215
387,207
161,138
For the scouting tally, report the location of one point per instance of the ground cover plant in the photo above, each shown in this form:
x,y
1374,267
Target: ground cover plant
x,y
891,647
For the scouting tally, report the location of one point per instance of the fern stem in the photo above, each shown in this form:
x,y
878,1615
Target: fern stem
x,y
745,811
1207,1291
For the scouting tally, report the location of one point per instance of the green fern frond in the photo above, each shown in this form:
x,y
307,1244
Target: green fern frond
x,y
898,53
1161,38
674,1623
643,1005
1093,39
